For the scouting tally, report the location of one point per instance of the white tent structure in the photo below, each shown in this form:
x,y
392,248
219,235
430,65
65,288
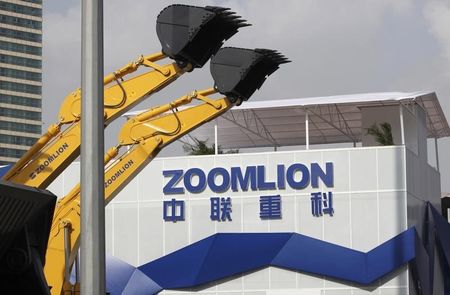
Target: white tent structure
x,y
315,120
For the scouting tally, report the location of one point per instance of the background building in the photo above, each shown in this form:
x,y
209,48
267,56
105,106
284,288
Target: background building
x,y
20,77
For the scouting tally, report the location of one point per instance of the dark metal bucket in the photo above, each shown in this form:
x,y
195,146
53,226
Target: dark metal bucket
x,y
26,215
239,72
191,35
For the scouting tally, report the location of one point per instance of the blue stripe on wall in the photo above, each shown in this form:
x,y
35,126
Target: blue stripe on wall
x,y
225,255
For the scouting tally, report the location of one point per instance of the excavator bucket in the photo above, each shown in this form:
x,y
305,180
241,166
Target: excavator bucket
x,y
239,72
191,34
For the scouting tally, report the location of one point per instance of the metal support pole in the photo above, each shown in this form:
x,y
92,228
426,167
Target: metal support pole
x,y
307,129
402,124
92,247
436,149
77,267
216,145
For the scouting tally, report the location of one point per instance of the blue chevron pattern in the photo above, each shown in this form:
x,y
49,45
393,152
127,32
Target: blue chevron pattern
x,y
228,254
123,278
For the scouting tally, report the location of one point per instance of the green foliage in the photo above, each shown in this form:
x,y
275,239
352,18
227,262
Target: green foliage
x,y
201,147
381,133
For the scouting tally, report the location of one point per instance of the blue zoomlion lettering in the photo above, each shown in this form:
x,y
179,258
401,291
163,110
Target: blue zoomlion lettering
x,y
297,176
169,188
49,159
118,173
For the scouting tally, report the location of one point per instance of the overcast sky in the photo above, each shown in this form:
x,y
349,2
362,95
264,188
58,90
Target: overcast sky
x,y
336,47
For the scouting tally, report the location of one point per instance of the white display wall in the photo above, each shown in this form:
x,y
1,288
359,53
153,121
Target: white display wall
x,y
369,202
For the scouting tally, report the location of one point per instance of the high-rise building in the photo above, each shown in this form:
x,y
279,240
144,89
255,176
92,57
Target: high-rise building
x,y
20,77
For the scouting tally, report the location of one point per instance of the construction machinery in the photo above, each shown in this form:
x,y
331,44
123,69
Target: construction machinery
x,y
25,220
148,133
188,35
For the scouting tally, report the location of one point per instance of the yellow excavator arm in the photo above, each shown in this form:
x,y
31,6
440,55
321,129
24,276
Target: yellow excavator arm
x,y
57,148
190,40
148,133
145,137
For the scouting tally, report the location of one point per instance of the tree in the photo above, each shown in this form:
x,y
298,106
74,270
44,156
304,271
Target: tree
x,y
381,133
201,147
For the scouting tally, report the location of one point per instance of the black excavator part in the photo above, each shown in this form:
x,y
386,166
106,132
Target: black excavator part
x,y
25,219
239,72
191,34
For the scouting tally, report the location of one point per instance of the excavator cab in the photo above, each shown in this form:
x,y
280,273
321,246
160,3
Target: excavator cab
x,y
191,34
239,72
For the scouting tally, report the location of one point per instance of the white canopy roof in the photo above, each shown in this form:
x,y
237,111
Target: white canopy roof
x,y
332,119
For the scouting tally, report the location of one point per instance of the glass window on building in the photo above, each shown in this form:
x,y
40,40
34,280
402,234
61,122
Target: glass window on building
x,y
33,1
10,33
9,46
19,100
17,140
19,74
21,127
20,22
17,8
19,87
11,153
20,61
20,114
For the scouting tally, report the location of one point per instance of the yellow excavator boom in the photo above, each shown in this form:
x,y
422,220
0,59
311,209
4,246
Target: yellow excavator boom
x,y
153,135
148,133
57,148
189,39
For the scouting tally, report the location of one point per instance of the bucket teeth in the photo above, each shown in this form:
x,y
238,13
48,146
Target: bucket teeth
x,y
231,19
273,55
239,72
235,17
228,13
217,8
191,34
